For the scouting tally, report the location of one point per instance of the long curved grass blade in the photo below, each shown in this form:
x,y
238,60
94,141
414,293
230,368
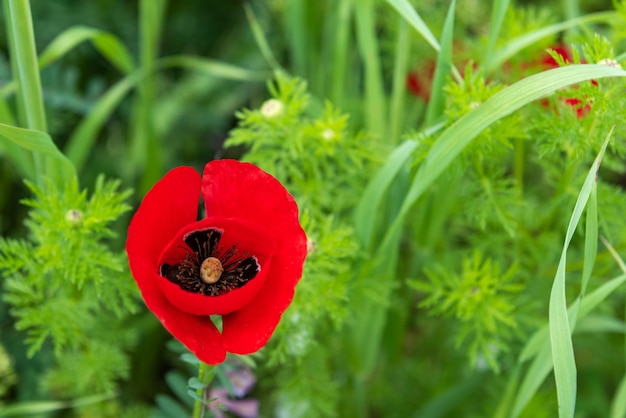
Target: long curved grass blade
x,y
539,345
365,214
407,11
213,68
559,324
530,38
260,38
106,43
41,143
41,407
454,139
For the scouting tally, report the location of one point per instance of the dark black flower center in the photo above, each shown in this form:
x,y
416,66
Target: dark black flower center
x,y
208,269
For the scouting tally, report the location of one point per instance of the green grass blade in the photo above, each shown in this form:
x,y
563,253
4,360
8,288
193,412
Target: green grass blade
x,y
398,92
537,373
618,406
375,103
444,64
340,55
531,38
213,68
539,345
614,253
84,136
42,407
146,151
560,328
298,33
498,12
454,139
23,54
107,44
260,39
407,11
587,305
591,239
365,214
41,143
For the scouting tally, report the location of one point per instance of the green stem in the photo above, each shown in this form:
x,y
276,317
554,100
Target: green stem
x,y
206,373
26,72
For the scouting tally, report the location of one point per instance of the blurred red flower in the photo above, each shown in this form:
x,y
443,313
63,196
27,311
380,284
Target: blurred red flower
x,y
241,261
419,83
582,107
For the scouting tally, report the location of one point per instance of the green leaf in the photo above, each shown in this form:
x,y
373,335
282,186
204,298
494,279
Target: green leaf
x,y
195,383
194,395
40,142
190,358
107,44
170,407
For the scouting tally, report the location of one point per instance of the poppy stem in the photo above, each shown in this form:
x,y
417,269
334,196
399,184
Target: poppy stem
x,y
206,373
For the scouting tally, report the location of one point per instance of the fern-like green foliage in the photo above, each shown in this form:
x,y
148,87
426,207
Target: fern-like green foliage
x,y
67,288
307,147
479,299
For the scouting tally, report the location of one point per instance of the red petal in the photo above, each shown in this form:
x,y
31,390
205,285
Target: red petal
x,y
242,190
167,207
171,204
248,237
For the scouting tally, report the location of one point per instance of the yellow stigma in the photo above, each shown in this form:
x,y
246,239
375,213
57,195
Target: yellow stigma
x,y
211,270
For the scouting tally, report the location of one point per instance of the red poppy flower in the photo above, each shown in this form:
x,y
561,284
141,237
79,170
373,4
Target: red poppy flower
x,y
547,61
581,106
419,83
241,261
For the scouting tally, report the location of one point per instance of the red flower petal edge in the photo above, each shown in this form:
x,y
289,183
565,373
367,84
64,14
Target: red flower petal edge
x,y
251,228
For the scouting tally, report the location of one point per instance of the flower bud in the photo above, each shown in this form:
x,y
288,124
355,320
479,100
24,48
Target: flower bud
x,y
272,108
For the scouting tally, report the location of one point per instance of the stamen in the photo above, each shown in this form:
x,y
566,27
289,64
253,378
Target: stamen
x,y
208,269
